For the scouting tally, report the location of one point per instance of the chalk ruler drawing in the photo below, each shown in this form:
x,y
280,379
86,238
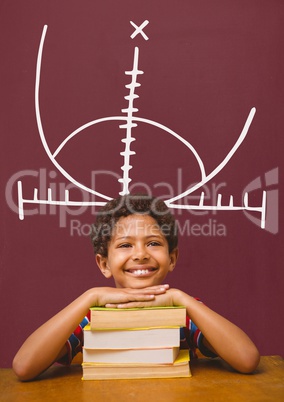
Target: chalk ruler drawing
x,y
130,121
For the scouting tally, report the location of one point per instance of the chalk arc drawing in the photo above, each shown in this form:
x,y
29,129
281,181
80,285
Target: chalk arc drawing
x,y
170,202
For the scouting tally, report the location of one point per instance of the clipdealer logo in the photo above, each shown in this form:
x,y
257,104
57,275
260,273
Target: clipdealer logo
x,y
268,183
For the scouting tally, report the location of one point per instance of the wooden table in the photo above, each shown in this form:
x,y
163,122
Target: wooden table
x,y
212,381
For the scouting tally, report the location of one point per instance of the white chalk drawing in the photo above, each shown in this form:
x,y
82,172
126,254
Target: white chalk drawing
x,y
130,121
139,30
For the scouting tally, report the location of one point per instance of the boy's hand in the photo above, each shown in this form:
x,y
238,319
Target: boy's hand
x,y
115,297
161,299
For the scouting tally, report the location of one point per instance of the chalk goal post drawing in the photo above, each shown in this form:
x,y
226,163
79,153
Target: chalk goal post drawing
x,y
129,121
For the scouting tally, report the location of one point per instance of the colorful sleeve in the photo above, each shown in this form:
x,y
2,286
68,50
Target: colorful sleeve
x,y
75,342
195,340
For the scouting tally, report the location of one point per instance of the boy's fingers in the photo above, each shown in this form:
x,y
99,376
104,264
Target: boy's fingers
x,y
153,289
163,285
135,304
133,299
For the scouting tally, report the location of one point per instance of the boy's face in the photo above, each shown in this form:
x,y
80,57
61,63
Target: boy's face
x,y
138,253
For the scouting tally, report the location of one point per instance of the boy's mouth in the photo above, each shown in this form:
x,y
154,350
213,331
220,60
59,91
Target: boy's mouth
x,y
141,271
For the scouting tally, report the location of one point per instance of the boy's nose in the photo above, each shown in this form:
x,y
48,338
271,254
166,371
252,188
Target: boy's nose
x,y
140,253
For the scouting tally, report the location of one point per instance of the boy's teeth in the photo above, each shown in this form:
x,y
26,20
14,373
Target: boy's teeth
x,y
140,272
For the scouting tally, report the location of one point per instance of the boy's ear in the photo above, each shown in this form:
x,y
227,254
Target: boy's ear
x,y
102,264
173,259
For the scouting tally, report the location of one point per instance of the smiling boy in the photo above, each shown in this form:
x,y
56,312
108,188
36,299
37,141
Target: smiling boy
x,y
138,254
135,242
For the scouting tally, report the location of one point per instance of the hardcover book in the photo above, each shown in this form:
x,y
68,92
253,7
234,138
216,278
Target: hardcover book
x,y
155,317
150,356
131,338
103,371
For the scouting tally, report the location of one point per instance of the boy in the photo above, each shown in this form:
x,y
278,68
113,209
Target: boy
x,y
135,242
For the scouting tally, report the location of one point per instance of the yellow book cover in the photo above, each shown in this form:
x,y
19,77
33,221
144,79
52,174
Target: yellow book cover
x,y
104,371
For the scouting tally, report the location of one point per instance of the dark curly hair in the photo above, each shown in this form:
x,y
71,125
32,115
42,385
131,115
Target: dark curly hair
x,y
123,206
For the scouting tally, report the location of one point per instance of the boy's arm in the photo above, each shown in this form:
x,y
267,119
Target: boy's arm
x,y
47,343
220,335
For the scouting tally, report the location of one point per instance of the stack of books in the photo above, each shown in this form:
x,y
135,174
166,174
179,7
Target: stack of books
x,y
135,343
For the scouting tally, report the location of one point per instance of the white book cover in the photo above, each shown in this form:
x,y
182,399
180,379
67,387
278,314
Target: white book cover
x,y
142,338
149,356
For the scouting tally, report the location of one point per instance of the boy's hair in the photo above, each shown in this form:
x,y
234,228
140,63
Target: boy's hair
x,y
123,206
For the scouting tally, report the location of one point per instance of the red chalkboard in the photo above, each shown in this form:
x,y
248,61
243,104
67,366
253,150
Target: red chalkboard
x,y
207,115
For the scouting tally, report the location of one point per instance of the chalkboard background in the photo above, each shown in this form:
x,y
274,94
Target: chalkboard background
x,y
206,64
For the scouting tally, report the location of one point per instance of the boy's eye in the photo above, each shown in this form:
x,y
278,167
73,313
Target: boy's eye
x,y
154,243
124,245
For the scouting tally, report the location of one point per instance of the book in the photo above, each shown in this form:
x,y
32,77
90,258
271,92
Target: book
x,y
104,371
151,317
131,338
134,343
149,356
